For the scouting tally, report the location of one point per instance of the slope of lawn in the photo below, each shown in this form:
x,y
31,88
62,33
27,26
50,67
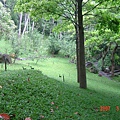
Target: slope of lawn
x,y
29,93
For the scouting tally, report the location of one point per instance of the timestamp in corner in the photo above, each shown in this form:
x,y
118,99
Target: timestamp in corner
x,y
107,108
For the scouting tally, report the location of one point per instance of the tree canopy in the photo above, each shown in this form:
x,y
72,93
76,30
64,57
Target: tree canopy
x,y
6,23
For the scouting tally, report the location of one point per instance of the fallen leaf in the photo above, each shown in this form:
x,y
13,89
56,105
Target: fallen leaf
x,y
51,110
96,109
76,113
28,118
4,116
41,116
52,103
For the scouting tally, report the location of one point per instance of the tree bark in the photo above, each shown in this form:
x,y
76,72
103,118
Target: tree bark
x,y
113,59
19,34
104,54
26,23
81,49
33,24
43,31
5,63
77,36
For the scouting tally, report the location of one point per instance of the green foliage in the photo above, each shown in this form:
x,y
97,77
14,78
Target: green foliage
x,y
53,44
117,59
98,43
7,24
30,45
5,46
92,43
10,4
108,16
108,21
68,46
108,25
33,45
63,43
45,8
57,9
107,62
63,26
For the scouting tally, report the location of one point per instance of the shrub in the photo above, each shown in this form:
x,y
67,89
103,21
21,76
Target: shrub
x,y
53,44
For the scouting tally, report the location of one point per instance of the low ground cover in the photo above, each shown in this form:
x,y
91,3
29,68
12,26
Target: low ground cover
x,y
43,95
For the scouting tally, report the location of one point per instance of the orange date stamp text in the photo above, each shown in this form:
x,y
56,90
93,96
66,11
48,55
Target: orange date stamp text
x,y
107,108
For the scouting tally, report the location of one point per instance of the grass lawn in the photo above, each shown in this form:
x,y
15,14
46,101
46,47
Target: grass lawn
x,y
44,95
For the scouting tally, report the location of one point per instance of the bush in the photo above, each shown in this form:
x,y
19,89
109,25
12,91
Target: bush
x,y
53,44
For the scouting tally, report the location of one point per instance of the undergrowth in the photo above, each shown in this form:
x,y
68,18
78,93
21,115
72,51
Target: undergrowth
x,y
29,93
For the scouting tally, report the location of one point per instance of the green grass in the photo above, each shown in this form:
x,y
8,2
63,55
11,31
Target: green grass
x,y
28,92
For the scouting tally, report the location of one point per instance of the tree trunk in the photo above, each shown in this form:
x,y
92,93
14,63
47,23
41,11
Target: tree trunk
x,y
43,31
33,24
19,34
81,49
5,63
77,36
104,54
26,23
113,59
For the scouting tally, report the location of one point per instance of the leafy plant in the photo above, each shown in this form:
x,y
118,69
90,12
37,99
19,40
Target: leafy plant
x,y
7,24
53,44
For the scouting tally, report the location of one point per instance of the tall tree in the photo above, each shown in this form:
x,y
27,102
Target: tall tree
x,y
70,11
63,9
81,49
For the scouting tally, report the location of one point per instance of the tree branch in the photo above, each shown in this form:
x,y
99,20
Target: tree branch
x,y
64,6
85,3
71,17
68,18
73,2
92,8
118,7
